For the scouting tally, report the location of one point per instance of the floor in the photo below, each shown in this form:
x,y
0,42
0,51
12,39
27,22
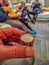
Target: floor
x,y
41,46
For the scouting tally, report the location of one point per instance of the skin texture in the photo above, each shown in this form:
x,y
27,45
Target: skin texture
x,y
1,1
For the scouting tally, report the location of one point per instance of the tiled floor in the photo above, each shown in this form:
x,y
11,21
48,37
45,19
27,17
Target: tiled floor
x,y
41,46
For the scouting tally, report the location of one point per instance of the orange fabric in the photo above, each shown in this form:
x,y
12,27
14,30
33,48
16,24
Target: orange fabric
x,y
1,43
2,35
11,13
7,31
11,39
6,8
8,52
17,32
14,39
12,34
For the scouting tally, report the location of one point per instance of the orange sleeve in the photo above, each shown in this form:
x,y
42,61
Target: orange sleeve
x,y
9,52
13,15
10,31
7,31
2,35
6,8
17,32
13,34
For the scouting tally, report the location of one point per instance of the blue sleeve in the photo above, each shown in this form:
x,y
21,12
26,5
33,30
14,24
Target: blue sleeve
x,y
4,11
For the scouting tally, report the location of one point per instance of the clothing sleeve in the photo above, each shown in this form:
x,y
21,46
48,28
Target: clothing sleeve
x,y
17,32
16,36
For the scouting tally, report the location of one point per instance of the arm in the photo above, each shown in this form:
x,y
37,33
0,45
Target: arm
x,y
10,10
33,4
7,9
20,9
27,9
40,6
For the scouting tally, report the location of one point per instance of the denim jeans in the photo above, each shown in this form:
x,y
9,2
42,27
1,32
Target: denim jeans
x,y
37,11
4,17
24,15
23,20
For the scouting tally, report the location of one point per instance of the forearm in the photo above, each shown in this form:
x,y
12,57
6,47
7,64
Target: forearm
x,y
33,5
21,9
40,7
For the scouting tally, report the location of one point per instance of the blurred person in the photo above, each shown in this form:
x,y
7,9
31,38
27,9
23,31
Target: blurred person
x,y
4,17
36,7
25,11
23,21
3,14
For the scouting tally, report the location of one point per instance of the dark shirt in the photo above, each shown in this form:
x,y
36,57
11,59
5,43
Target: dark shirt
x,y
24,12
1,10
37,6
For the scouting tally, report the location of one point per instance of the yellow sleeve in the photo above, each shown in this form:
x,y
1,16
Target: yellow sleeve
x,y
6,8
11,13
